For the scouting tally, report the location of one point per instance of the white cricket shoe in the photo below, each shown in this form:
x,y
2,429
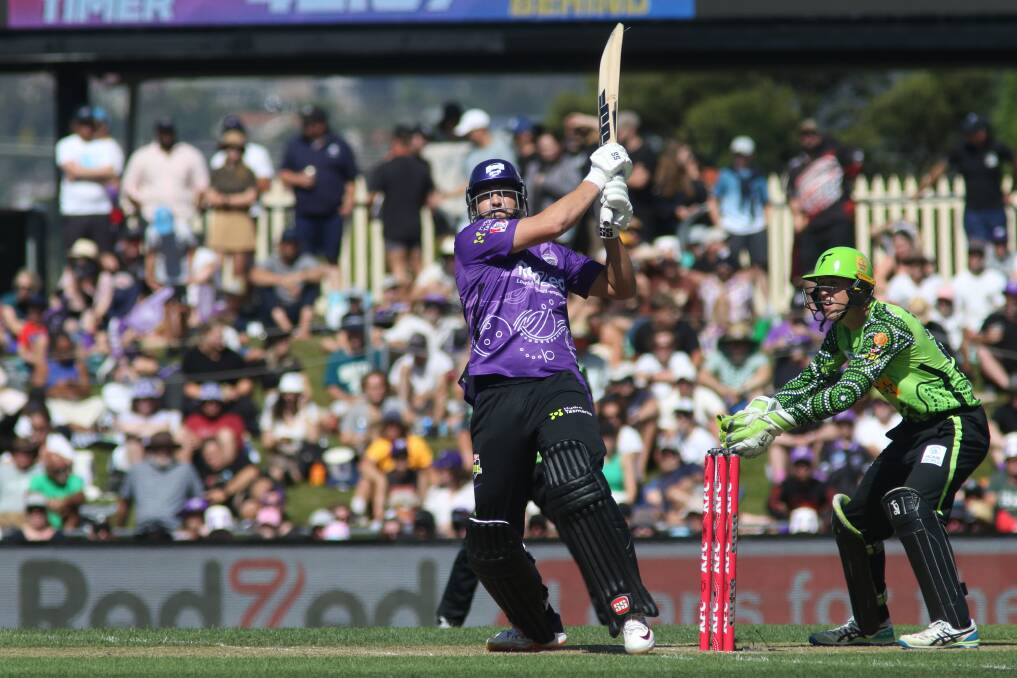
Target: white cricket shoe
x,y
638,636
940,636
513,640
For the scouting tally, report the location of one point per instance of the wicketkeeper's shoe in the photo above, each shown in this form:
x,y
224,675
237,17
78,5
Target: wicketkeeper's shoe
x,y
941,636
638,636
513,640
850,634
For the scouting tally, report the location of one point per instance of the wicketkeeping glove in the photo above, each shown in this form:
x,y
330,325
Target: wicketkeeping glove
x,y
750,432
615,208
607,161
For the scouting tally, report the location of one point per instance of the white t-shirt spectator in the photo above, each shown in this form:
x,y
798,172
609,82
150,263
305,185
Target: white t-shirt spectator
x,y
85,197
426,378
870,432
441,501
693,447
14,484
902,289
648,365
976,296
292,433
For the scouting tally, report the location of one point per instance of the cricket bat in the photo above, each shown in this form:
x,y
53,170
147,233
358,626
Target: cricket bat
x,y
607,101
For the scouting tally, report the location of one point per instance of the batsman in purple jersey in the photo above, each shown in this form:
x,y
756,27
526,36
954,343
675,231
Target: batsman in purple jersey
x,y
528,395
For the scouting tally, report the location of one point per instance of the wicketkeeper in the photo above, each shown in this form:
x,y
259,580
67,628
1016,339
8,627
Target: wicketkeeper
x,y
908,490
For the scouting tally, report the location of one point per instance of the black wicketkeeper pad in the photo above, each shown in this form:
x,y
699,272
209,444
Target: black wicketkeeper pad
x,y
590,524
502,565
921,532
856,557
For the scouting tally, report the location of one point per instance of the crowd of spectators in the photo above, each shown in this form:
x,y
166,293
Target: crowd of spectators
x,y
171,386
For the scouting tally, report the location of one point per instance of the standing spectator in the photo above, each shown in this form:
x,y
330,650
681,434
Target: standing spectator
x,y
915,281
644,165
255,156
290,431
166,173
89,168
404,179
819,184
524,138
158,487
64,491
740,204
550,175
998,339
422,378
679,193
16,471
737,371
475,127
1002,493
36,527
320,168
290,282
801,499
978,291
232,192
979,158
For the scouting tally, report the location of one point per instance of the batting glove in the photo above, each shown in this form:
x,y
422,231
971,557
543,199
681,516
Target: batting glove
x,y
615,208
607,161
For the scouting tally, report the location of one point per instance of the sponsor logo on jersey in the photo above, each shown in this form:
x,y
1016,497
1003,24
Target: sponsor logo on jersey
x,y
886,386
477,470
538,280
498,226
621,605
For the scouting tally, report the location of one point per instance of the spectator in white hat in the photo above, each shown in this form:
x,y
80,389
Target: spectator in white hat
x,y
290,429
475,126
64,491
36,527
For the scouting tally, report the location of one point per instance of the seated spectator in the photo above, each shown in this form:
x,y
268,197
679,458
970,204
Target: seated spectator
x,y
330,525
192,520
232,190
290,431
873,425
68,387
361,421
63,491
274,361
36,527
146,417
998,339
212,422
450,489
347,365
737,371
802,499
946,316
842,461
892,245
17,468
685,435
727,292
1003,422
378,461
676,487
219,524
621,471
665,314
14,304
224,476
659,366
77,289
290,285
32,327
401,481
169,248
1002,494
423,378
158,487
638,408
916,280
627,440
978,291
212,361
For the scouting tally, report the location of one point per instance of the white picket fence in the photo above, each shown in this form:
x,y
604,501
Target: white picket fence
x,y
938,216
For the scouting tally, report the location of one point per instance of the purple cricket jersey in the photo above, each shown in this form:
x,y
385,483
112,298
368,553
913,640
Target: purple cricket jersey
x,y
515,303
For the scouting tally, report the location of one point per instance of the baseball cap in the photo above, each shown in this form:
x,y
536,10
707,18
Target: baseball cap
x,y
312,113
194,505
743,145
165,124
83,248
801,453
291,382
448,460
60,446
945,292
418,344
472,120
85,114
320,518
1011,288
520,124
998,235
146,388
399,449
289,235
218,517
846,415
684,406
269,515
232,122
392,417
684,372
973,122
210,391
1010,446
622,372
34,500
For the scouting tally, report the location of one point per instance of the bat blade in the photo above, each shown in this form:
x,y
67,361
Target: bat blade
x,y
607,85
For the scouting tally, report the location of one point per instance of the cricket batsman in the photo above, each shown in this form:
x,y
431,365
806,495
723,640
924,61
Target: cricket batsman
x,y
908,490
528,394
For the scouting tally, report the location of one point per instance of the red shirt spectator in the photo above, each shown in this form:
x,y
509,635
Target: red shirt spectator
x,y
210,419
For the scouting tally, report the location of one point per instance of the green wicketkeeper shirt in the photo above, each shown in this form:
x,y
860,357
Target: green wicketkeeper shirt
x,y
893,353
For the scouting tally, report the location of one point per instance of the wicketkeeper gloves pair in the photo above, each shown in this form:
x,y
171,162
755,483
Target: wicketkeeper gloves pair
x,y
749,432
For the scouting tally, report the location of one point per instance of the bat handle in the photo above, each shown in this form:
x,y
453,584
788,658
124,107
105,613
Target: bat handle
x,y
606,229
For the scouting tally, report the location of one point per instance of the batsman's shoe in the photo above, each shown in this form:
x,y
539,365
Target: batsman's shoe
x,y
513,640
638,636
850,634
941,636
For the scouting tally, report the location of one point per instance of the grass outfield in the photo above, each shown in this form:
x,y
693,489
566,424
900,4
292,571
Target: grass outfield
x,y
763,650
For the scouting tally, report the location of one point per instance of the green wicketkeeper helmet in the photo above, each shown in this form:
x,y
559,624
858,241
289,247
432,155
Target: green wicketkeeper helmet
x,y
841,262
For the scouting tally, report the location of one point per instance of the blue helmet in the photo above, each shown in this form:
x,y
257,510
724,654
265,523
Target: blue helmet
x,y
496,176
